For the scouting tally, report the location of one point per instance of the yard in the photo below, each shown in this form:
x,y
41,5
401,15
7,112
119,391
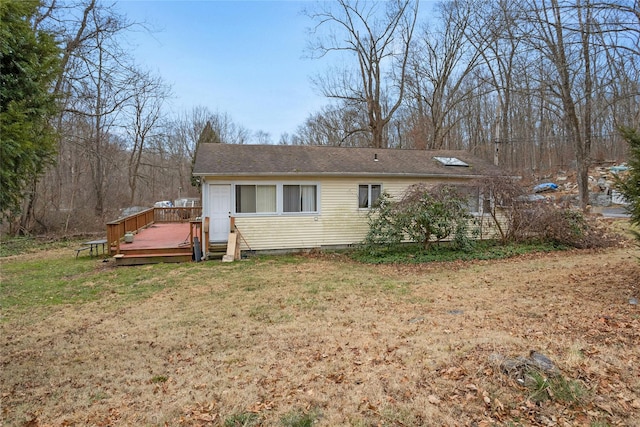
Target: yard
x,y
293,339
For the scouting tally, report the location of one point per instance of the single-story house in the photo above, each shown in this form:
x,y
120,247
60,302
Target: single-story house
x,y
303,197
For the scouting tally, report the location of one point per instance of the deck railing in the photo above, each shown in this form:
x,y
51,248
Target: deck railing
x,y
136,222
179,214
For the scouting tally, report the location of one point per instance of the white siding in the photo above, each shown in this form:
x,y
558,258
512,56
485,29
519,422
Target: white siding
x,y
339,221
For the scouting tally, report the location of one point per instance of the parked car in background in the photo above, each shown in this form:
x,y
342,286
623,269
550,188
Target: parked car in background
x,y
187,202
163,204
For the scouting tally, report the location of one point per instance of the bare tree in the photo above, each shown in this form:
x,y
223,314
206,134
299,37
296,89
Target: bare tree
x,y
186,131
624,27
495,36
102,96
562,37
188,126
444,60
379,41
333,125
229,131
262,137
94,84
149,96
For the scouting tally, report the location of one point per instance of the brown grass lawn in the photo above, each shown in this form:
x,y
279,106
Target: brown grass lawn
x,y
346,343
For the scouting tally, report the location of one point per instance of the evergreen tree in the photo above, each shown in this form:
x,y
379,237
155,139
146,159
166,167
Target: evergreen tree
x,y
208,136
28,66
629,185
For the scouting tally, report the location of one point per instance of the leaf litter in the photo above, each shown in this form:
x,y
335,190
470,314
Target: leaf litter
x,y
356,344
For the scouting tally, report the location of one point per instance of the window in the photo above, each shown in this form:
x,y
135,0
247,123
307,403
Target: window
x,y
487,203
255,198
276,198
474,203
299,198
368,195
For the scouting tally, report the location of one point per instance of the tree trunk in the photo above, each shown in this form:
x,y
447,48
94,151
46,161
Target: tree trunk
x,y
26,219
572,122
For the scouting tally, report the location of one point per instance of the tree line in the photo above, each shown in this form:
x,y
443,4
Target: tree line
x,y
109,140
546,83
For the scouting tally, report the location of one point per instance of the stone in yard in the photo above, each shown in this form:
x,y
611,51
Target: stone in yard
x,y
542,362
518,367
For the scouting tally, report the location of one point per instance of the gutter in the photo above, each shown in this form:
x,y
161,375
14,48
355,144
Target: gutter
x,y
347,174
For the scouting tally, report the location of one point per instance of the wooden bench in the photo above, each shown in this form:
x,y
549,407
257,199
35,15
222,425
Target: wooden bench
x,y
83,248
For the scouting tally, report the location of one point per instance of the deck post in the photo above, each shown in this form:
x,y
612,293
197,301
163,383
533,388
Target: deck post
x,y
205,238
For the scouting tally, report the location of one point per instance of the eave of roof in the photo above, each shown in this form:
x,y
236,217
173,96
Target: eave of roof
x,y
339,174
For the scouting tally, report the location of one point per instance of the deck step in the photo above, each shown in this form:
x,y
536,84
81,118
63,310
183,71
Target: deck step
x,y
217,250
156,251
140,259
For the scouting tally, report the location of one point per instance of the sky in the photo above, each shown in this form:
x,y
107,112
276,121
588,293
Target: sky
x,y
243,58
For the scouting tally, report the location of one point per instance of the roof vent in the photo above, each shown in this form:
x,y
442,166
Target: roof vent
x,y
375,157
451,161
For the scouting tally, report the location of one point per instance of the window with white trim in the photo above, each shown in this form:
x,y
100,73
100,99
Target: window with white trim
x,y
276,198
299,198
255,198
368,195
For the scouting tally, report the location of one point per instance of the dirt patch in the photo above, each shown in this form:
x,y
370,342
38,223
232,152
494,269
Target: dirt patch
x,y
356,344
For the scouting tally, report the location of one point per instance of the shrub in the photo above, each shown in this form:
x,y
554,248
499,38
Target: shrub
x,y
567,227
423,215
520,218
384,228
509,200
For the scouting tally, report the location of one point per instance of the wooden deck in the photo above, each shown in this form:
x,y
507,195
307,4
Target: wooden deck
x,y
166,235
159,242
160,235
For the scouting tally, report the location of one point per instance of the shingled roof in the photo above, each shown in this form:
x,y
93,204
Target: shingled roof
x,y
270,160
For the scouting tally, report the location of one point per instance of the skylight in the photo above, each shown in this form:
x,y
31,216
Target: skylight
x,y
451,161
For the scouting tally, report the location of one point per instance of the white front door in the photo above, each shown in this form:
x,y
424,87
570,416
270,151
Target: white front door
x,y
219,211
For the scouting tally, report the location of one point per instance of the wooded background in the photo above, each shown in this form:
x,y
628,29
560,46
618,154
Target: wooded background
x,y
547,82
